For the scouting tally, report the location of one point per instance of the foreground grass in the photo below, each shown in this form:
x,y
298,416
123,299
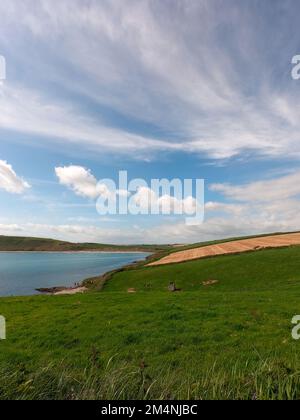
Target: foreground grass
x,y
266,380
229,340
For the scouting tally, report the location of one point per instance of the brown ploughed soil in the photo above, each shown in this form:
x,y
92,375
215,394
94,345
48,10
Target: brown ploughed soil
x,y
235,247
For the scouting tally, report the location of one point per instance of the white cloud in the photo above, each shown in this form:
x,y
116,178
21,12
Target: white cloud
x,y
202,91
256,210
83,183
223,219
26,111
213,206
9,181
200,76
73,232
262,191
147,199
80,180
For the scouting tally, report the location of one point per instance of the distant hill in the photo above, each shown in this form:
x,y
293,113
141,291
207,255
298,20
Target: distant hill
x,y
16,243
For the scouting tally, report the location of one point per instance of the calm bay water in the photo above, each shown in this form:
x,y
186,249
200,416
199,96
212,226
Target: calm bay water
x,y
22,273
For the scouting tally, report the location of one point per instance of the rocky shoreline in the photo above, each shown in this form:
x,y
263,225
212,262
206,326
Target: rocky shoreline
x,y
62,290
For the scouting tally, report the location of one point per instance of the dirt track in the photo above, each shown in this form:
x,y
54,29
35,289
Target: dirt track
x,y
234,247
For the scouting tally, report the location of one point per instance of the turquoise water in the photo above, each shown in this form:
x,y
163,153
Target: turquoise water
x,y
22,273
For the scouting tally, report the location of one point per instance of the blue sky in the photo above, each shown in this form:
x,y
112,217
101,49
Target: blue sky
x,y
162,89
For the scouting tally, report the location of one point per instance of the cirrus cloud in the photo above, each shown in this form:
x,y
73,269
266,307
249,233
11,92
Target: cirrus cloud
x,y
186,74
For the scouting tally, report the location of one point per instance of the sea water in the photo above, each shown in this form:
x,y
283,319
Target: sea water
x,y
21,273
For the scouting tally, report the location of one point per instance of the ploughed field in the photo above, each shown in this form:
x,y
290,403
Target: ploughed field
x,y
233,247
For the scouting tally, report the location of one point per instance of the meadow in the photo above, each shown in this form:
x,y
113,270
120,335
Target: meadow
x,y
228,340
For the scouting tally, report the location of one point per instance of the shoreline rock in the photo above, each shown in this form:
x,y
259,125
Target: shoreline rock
x,y
62,290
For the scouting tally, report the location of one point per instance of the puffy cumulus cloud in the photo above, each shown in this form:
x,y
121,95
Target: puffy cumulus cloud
x,y
147,199
222,221
10,181
260,207
264,206
83,183
79,179
224,218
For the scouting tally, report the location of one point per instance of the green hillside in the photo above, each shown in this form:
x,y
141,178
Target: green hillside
x,y
15,243
228,340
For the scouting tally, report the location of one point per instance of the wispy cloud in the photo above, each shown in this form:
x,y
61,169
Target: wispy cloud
x,y
26,111
197,72
281,188
140,79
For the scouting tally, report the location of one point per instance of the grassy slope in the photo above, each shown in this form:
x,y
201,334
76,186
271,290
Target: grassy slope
x,y
10,243
230,340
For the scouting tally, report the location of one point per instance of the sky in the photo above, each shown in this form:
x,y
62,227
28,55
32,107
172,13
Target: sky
x,y
188,89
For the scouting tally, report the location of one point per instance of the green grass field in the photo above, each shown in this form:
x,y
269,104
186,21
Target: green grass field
x,y
229,340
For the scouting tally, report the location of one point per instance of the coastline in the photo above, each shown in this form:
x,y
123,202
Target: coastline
x,y
59,291
74,252
85,283
81,287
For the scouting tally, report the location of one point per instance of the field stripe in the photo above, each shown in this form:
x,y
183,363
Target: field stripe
x,y
233,247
